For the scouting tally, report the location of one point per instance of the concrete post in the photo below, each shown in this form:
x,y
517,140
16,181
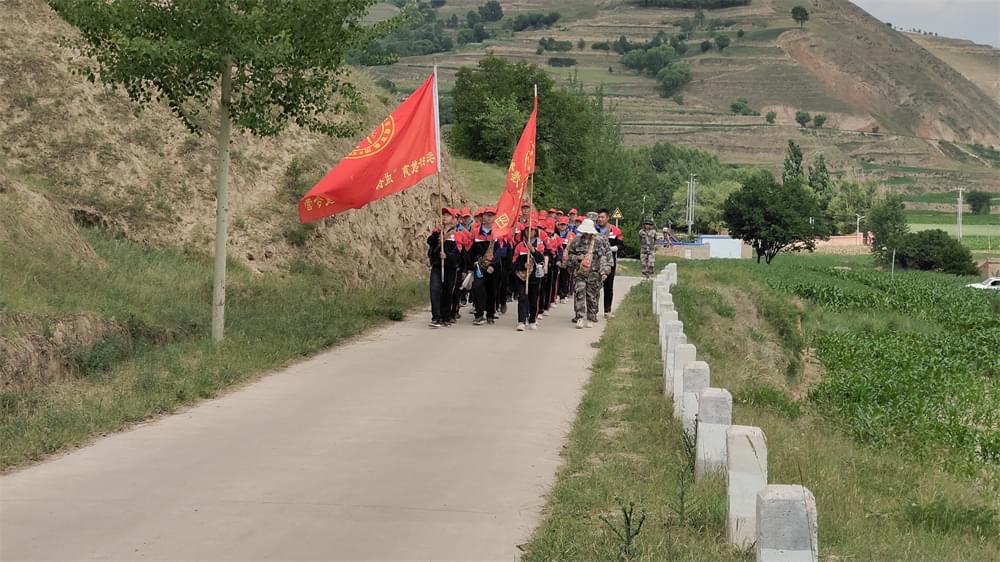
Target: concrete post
x,y
668,367
715,416
668,327
746,468
786,525
683,355
696,379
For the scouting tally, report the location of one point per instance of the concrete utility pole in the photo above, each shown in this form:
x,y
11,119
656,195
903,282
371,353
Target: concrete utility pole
x,y
857,229
960,213
692,187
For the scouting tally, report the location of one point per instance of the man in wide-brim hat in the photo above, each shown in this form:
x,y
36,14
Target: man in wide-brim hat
x,y
589,255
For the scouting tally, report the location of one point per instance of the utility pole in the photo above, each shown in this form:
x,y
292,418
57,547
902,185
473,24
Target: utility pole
x,y
692,187
960,213
857,229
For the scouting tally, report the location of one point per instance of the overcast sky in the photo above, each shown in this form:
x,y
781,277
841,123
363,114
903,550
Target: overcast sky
x,y
978,20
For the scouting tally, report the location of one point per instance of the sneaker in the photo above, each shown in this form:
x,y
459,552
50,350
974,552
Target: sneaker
x,y
590,324
579,324
554,304
533,326
436,324
479,322
520,326
491,320
608,315
503,308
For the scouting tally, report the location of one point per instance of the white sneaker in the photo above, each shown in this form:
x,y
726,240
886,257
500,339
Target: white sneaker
x,y
533,326
579,324
608,315
554,304
590,324
520,326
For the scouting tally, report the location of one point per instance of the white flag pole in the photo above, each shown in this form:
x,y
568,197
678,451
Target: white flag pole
x,y
437,148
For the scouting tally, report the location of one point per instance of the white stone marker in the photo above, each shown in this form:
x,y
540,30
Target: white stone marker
x,y
715,416
668,366
786,525
696,379
668,325
746,459
684,354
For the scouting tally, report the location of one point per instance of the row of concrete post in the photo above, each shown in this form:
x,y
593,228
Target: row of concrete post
x,y
779,521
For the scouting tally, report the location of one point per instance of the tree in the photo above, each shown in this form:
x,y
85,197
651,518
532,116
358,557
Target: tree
x,y
793,164
980,202
673,78
706,46
887,223
269,63
935,250
771,116
722,41
819,180
699,18
491,11
708,205
819,120
742,107
773,218
453,21
800,15
581,44
740,33
472,18
851,199
479,33
802,118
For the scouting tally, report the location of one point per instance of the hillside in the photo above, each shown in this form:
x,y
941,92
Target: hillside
x,y
91,154
978,63
895,110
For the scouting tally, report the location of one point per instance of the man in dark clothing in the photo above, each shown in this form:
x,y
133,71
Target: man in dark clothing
x,y
527,282
486,256
442,284
614,238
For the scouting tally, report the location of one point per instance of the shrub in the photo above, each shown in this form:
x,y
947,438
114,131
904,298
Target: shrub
x,y
819,120
980,202
742,107
722,41
802,118
771,116
706,46
535,21
602,46
673,78
935,250
562,61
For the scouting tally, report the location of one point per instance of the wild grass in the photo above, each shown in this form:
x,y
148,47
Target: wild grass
x,y
483,182
163,297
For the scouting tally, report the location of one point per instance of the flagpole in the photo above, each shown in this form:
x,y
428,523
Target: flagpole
x,y
437,147
531,205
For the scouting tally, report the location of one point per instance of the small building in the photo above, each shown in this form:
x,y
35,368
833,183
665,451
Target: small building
x,y
990,267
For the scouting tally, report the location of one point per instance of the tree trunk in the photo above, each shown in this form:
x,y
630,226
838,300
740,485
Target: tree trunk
x,y
222,205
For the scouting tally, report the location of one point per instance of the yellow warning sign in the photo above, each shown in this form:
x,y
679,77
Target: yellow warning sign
x,y
617,215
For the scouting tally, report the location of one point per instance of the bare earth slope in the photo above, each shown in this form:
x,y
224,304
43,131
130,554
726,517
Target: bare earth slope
x,y
978,63
91,151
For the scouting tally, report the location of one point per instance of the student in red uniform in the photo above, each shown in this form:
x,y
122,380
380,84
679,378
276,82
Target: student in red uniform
x,y
527,282
565,274
571,215
442,286
485,257
554,273
614,236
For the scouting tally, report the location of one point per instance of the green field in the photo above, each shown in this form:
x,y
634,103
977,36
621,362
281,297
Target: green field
x,y
876,392
483,182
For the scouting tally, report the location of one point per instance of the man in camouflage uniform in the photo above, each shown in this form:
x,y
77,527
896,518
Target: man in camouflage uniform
x,y
589,255
647,247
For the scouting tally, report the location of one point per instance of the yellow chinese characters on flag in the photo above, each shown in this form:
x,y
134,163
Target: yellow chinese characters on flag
x,y
401,151
522,165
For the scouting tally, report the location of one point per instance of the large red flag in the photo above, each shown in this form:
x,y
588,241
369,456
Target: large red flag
x,y
522,165
401,151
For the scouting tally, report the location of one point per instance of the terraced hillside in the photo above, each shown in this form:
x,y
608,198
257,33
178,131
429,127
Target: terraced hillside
x,y
895,110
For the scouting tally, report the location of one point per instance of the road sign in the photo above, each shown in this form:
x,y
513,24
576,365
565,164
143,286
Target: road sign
x,y
617,215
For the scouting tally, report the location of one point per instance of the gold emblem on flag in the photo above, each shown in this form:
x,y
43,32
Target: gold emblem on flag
x,y
375,142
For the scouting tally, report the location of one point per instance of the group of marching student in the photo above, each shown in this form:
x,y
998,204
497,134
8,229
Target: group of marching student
x,y
546,258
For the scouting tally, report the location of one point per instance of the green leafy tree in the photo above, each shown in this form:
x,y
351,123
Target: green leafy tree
x,y
887,222
793,164
708,205
773,218
800,15
472,19
802,118
491,11
819,180
581,44
706,46
851,199
722,41
699,18
819,120
935,250
742,107
980,202
771,116
269,63
673,78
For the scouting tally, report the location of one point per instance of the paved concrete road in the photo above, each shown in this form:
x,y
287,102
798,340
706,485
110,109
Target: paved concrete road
x,y
377,450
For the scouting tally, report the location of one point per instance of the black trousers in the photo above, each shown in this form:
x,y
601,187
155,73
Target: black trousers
x,y
565,277
484,295
442,293
609,289
543,295
527,301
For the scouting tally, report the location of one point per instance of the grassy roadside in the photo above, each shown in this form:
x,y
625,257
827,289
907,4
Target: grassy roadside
x,y
874,504
163,360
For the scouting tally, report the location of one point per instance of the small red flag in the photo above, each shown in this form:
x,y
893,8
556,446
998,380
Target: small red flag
x,y
400,152
522,165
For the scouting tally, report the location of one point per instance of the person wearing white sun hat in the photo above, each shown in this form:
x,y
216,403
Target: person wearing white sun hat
x,y
589,255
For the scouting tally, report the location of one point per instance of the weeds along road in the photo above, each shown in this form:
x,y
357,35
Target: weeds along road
x,y
407,444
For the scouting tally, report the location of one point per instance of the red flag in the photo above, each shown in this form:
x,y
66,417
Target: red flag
x,y
522,165
401,151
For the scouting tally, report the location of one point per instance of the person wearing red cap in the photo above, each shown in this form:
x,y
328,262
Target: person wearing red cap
x,y
485,257
565,274
572,216
442,279
615,240
526,282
